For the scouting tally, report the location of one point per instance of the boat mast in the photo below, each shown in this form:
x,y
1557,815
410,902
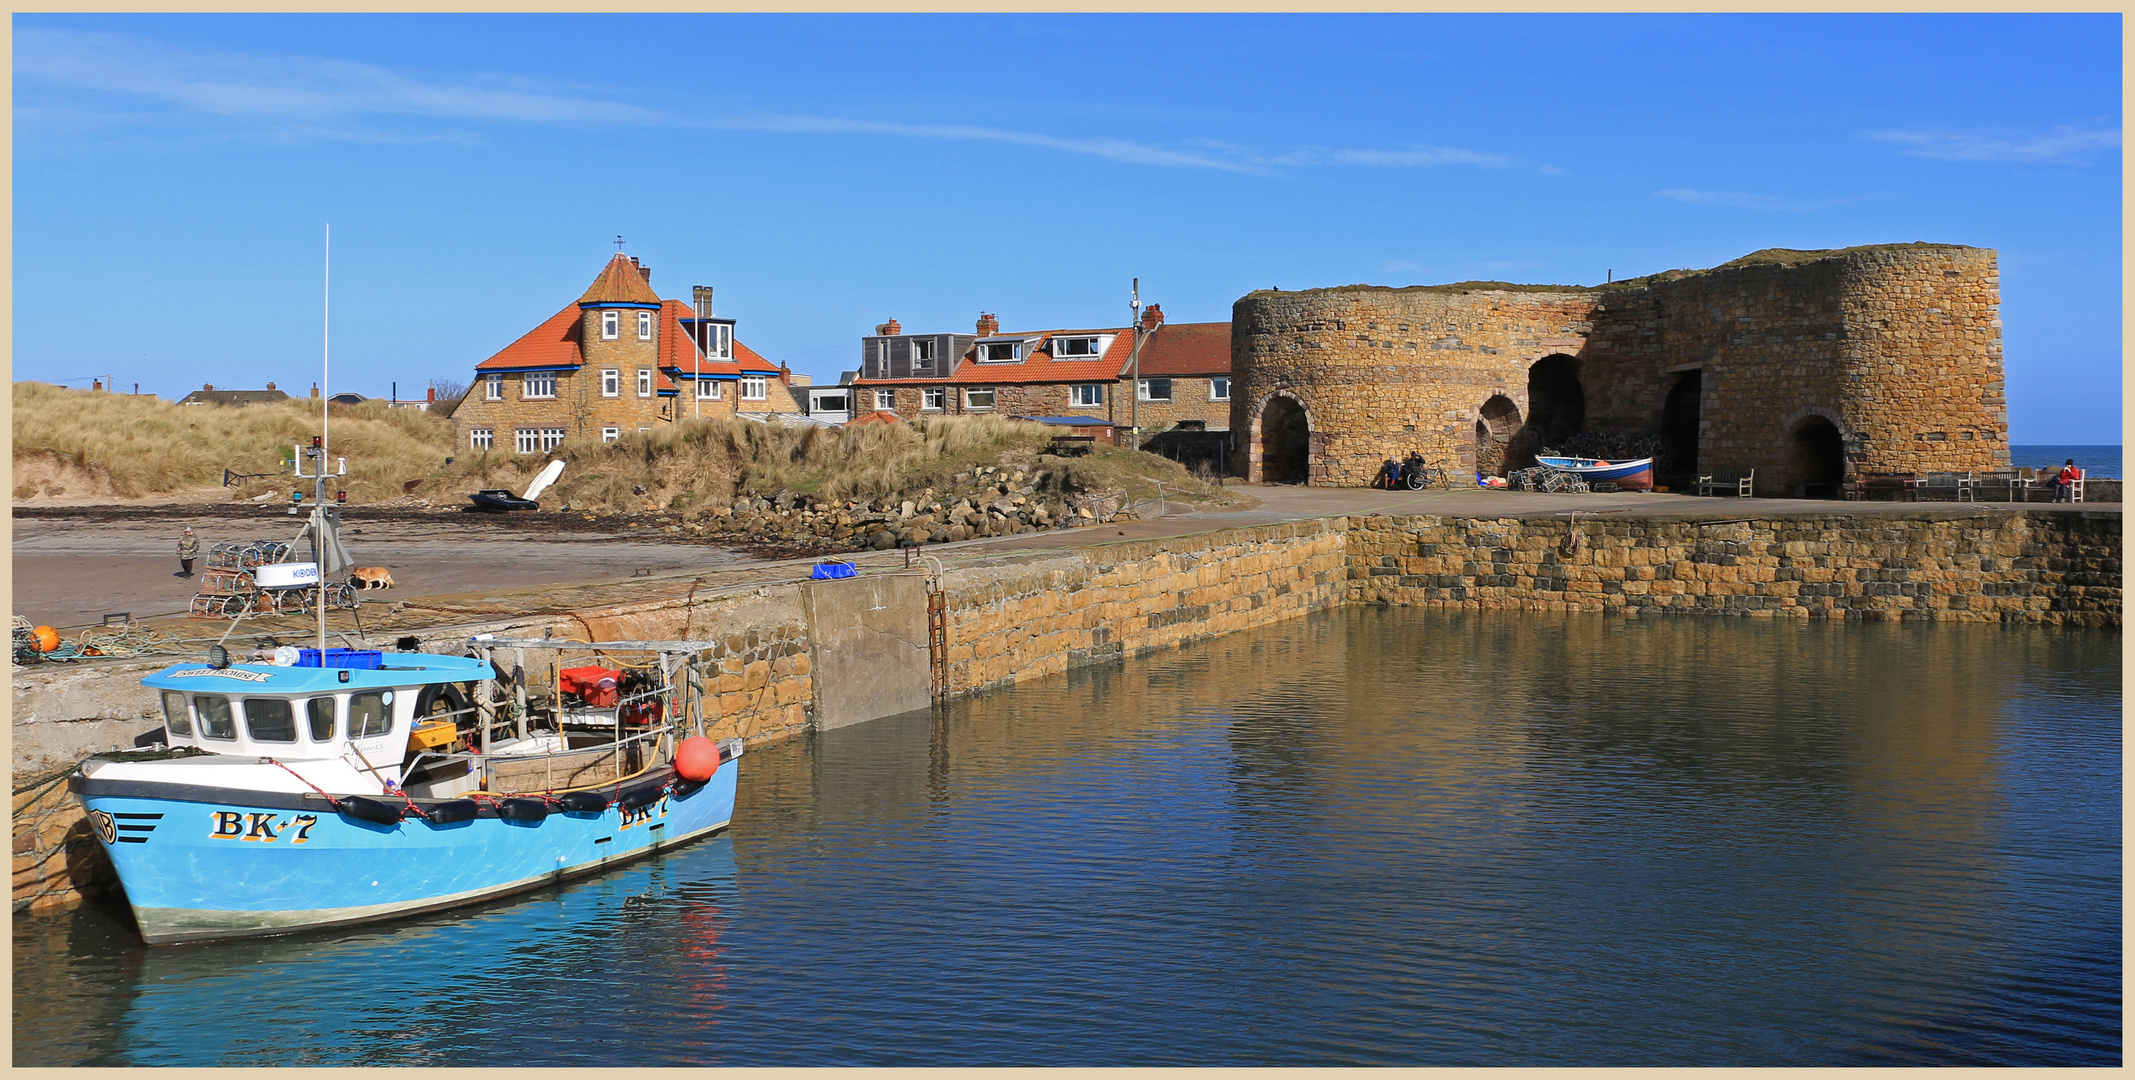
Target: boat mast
x,y
318,505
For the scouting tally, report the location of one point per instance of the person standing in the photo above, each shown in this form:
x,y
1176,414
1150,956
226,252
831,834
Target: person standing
x,y
2064,483
188,550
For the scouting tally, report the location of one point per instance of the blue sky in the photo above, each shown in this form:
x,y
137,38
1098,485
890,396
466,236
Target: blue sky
x,y
827,172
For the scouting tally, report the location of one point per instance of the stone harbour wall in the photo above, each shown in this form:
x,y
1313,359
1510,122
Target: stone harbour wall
x,y
1971,566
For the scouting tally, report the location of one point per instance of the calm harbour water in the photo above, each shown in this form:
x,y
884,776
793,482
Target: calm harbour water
x,y
1366,837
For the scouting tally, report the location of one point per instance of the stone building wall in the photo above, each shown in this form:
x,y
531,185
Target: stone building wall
x,y
1383,371
1190,400
1893,352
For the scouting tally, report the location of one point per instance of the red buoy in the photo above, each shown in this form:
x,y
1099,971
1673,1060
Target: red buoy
x,y
697,759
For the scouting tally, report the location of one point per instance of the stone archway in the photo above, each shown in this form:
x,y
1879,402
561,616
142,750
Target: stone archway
x,y
1495,424
1556,400
1679,425
1816,458
1282,441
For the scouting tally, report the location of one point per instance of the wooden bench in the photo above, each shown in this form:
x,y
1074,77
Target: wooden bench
x,y
1738,485
1894,484
1070,445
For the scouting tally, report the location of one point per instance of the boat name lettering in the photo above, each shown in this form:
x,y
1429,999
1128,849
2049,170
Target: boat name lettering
x,y
228,673
266,828
645,813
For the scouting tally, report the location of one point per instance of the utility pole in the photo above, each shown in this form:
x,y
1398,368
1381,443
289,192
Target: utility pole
x,y
1134,364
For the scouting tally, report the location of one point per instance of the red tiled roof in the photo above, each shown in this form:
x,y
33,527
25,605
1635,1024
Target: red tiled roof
x,y
620,282
1037,367
552,344
879,416
748,359
1187,349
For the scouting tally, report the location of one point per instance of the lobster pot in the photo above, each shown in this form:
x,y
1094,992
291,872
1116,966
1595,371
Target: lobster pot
x,y
246,555
567,769
225,582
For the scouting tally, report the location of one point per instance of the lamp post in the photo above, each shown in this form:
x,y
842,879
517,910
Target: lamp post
x,y
1134,364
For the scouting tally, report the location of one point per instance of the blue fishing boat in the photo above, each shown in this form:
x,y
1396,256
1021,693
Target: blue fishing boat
x,y
1636,474
354,785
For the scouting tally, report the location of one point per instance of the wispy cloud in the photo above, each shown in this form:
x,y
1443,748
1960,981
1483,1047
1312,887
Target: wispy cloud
x,y
2061,145
1743,200
77,82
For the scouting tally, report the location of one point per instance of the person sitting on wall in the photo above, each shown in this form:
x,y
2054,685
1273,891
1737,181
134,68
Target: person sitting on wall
x,y
1389,475
2064,482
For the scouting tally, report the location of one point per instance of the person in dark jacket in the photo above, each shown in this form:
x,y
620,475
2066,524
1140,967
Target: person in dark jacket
x,y
188,550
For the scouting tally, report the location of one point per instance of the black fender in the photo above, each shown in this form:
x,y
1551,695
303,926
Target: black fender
x,y
642,797
523,809
450,811
582,802
375,811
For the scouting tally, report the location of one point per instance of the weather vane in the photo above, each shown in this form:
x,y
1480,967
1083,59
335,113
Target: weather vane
x,y
618,243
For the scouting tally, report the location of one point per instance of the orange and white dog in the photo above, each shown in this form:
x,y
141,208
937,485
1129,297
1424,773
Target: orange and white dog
x,y
370,577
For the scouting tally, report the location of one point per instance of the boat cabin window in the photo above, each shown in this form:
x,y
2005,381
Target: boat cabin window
x,y
368,716
321,711
175,715
269,720
214,710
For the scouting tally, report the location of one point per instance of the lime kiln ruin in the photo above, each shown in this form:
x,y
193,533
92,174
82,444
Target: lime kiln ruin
x,y
1813,368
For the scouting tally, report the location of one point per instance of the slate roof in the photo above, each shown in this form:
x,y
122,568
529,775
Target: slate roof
x,y
1187,349
232,397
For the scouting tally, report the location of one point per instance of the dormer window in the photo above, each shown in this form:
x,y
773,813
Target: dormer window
x,y
922,354
719,341
1076,347
644,326
1000,352
611,325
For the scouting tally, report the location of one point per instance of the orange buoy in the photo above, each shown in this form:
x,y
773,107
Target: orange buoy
x,y
697,759
47,638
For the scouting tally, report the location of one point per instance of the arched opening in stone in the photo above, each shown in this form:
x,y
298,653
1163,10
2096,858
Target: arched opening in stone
x,y
1499,420
1679,425
1817,459
1556,403
1285,442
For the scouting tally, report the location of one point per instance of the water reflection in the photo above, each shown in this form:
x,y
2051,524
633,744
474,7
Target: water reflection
x,y
1373,837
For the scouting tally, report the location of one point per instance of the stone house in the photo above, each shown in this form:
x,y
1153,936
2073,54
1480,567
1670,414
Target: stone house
x,y
1066,372
1814,369
617,360
208,395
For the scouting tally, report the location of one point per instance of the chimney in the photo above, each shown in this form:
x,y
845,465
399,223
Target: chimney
x,y
888,329
210,386
98,384
433,393
988,325
643,271
270,386
1152,316
703,296
314,391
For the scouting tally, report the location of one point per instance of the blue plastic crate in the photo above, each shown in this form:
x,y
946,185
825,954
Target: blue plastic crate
x,y
359,659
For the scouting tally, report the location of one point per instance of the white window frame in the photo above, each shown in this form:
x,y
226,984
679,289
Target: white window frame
x,y
481,438
885,401
1086,395
1142,390
1225,382
988,356
971,397
644,382
610,434
721,338
644,326
494,387
611,382
1096,347
707,389
526,440
922,354
933,398
755,388
611,325
552,437
537,386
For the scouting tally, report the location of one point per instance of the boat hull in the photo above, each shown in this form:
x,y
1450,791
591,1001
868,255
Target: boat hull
x,y
199,868
501,502
1624,474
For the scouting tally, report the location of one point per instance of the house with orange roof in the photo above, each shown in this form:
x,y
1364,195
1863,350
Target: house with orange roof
x,y
1051,373
617,360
